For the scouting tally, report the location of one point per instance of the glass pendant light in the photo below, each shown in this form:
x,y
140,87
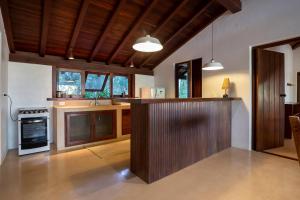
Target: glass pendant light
x,y
147,44
212,65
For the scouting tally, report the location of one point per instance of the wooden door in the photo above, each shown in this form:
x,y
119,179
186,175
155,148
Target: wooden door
x,y
269,113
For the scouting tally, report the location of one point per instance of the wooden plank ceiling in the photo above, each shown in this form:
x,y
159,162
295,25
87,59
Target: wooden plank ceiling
x,y
105,30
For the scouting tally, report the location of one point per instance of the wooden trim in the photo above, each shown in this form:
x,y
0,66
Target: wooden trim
x,y
132,80
7,25
47,4
295,46
80,64
233,6
54,82
161,25
108,26
132,30
277,43
83,10
167,100
201,11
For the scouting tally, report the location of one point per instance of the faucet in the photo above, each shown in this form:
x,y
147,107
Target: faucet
x,y
97,103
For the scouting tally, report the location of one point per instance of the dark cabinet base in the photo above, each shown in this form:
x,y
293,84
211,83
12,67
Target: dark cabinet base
x,y
89,126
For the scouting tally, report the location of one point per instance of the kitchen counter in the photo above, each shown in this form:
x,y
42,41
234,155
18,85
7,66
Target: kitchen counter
x,y
171,134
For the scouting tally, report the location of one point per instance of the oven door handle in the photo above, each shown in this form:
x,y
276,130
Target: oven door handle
x,y
33,121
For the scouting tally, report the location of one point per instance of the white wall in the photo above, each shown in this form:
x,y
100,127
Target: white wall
x,y
289,76
143,81
29,85
296,64
260,21
4,52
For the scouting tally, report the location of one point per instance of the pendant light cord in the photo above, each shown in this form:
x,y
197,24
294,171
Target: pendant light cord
x,y
212,40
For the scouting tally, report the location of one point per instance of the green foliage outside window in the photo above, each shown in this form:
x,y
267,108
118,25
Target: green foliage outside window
x,y
69,82
183,88
120,85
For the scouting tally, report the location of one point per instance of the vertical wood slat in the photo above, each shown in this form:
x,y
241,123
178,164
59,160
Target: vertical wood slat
x,y
167,137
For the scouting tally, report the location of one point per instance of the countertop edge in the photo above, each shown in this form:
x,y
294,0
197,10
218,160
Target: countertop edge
x,y
151,101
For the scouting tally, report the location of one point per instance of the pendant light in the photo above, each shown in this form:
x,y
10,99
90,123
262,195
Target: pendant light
x,y
147,44
212,65
71,57
131,64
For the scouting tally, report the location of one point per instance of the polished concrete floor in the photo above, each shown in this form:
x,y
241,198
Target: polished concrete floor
x,y
287,150
102,173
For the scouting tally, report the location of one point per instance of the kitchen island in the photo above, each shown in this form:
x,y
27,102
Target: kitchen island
x,y
170,134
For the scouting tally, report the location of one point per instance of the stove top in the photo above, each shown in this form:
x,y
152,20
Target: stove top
x,y
33,110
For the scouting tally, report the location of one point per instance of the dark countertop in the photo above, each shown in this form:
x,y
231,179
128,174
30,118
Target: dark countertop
x,y
149,101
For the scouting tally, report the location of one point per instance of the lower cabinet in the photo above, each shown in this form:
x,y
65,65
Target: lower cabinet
x,y
126,122
85,127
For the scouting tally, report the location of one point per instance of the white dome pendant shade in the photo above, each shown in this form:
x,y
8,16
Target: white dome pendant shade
x,y
212,65
147,44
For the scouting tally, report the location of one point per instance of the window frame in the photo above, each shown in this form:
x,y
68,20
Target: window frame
x,y
84,73
129,85
55,84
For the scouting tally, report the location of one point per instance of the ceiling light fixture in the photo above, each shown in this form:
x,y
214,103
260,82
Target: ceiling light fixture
x,y
212,65
131,64
71,57
147,44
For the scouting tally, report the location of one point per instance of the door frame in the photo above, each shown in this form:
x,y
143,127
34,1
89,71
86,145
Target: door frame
x,y
253,81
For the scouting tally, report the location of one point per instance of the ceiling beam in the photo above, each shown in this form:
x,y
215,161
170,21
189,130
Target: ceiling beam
x,y
7,25
233,6
34,58
47,4
296,45
83,9
161,25
195,16
132,29
108,26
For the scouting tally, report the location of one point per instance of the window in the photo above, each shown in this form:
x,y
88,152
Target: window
x,y
182,80
120,85
69,82
97,85
91,84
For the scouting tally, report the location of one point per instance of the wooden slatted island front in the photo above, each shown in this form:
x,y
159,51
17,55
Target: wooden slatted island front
x,y
170,134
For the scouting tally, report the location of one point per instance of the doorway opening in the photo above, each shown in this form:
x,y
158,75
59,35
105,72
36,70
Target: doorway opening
x,y
276,96
188,79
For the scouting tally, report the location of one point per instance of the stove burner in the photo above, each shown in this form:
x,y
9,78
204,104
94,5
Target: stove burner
x,y
32,110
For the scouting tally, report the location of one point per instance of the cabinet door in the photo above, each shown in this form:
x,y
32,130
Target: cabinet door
x,y
126,122
104,125
78,128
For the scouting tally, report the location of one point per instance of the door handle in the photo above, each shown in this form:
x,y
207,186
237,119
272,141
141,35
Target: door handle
x,y
282,95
